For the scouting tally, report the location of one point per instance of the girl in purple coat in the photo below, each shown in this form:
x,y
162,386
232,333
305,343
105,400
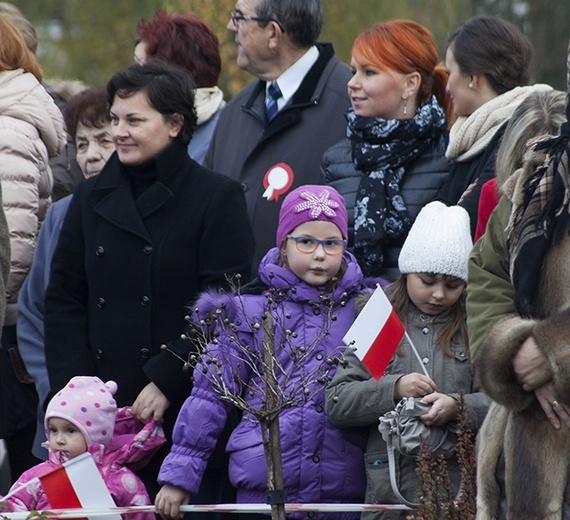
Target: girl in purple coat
x,y
311,280
83,417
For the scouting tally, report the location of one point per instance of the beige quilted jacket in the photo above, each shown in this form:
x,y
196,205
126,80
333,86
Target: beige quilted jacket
x,y
31,131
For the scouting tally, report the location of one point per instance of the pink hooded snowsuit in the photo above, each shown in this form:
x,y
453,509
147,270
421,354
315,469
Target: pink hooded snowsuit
x,y
131,447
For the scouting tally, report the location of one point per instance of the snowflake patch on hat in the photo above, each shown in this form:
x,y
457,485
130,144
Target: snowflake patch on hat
x,y
317,204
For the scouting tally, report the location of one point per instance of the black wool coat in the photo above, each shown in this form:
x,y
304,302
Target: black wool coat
x,y
124,271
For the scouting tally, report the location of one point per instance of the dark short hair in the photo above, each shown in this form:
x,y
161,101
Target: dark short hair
x,y
168,88
302,19
185,41
89,107
493,47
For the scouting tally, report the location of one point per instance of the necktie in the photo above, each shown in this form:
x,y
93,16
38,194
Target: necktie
x,y
274,95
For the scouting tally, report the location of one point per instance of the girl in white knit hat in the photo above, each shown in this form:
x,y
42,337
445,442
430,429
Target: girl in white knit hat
x,y
429,299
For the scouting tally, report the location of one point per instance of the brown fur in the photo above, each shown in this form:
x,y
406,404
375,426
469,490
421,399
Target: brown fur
x,y
489,446
534,488
553,338
494,362
536,455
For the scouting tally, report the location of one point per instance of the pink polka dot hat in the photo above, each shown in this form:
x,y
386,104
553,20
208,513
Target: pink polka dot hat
x,y
88,403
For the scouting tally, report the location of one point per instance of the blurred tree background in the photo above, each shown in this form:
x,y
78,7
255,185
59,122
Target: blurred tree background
x,y
90,39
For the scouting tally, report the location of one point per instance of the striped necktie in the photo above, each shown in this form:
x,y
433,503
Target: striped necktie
x,y
271,107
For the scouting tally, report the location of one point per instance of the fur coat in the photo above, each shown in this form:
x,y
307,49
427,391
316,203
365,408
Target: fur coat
x,y
523,460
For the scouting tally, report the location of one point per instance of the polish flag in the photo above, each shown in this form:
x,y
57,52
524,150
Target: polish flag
x,y
376,334
77,483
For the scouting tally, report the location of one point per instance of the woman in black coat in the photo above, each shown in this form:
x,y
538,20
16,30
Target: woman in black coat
x,y
488,61
138,243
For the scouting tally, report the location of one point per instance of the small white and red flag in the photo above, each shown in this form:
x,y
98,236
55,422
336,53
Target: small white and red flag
x,y
376,333
77,483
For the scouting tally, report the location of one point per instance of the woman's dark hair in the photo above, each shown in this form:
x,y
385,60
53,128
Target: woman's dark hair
x,y
168,88
185,41
89,107
493,47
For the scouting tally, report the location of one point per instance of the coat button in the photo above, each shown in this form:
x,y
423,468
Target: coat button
x,y
99,354
316,311
319,356
101,303
145,300
100,251
319,408
311,514
425,330
316,459
147,250
244,186
425,361
144,353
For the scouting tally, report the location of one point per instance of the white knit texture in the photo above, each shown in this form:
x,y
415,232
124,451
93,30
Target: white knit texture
x,y
470,135
439,242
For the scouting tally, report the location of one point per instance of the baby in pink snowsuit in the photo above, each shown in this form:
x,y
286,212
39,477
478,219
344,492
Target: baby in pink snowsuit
x,y
82,417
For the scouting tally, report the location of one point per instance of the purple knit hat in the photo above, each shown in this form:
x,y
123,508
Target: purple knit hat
x,y
88,403
311,202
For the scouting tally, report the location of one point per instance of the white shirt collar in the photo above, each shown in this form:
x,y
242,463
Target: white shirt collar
x,y
290,81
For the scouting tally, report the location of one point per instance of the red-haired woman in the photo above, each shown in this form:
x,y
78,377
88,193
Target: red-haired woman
x,y
392,162
187,41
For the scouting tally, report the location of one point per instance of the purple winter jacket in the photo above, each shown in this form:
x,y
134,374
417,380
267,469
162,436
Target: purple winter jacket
x,y
322,463
132,447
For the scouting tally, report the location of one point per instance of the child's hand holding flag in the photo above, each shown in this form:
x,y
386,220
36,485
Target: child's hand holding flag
x,y
376,334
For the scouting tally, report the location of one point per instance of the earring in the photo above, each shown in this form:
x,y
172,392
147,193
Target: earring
x,y
470,84
405,107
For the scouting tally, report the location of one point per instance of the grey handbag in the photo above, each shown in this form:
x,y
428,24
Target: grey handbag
x,y
403,431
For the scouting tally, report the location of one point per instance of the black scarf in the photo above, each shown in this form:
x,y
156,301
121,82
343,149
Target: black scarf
x,y
382,149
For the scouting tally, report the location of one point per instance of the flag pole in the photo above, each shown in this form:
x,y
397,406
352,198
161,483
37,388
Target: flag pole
x,y
21,487
414,350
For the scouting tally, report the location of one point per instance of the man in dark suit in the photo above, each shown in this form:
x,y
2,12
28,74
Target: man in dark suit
x,y
272,135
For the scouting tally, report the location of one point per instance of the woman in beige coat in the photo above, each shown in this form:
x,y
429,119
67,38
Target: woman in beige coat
x,y
31,130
